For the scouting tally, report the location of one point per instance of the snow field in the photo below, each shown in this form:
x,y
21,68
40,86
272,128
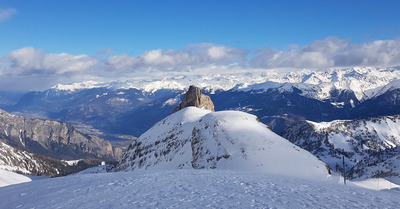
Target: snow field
x,y
377,184
191,189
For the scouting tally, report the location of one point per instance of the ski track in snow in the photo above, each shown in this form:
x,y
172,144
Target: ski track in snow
x,y
191,189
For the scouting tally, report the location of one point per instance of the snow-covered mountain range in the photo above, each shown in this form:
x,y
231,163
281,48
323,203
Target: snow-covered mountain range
x,y
116,109
370,146
198,158
365,82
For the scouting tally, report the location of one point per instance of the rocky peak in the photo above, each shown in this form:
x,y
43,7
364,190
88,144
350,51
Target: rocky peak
x,y
194,97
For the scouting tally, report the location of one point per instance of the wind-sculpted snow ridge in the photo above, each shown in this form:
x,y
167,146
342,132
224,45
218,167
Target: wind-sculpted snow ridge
x,y
227,140
370,146
191,189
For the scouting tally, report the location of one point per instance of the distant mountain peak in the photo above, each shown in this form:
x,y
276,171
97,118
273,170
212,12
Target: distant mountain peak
x,y
78,86
194,97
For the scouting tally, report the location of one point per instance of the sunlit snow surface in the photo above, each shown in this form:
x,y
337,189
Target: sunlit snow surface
x,y
377,184
191,189
9,178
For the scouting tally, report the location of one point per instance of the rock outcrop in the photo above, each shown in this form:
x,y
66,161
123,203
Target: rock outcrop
x,y
53,139
194,97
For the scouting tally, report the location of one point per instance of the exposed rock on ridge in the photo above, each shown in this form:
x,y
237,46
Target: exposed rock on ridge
x,y
194,97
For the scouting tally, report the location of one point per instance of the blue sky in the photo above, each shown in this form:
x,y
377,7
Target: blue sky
x,y
110,32
85,27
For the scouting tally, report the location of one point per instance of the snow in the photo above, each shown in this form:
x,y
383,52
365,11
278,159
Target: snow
x,y
370,145
232,140
383,129
376,184
72,162
77,86
365,82
10,178
191,189
171,102
253,147
97,169
340,141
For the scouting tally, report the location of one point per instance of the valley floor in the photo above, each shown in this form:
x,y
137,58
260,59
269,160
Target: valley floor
x,y
191,189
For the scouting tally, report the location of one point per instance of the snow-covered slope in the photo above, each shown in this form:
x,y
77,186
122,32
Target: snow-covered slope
x,y
9,178
231,140
191,189
370,146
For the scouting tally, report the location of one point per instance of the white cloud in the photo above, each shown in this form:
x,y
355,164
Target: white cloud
x,y
194,56
6,14
156,57
217,52
28,61
120,62
28,65
331,52
66,63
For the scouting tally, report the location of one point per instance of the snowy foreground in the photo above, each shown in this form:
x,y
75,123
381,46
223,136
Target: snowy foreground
x,y
191,189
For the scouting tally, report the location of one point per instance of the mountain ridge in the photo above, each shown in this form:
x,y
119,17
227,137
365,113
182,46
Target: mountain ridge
x,y
53,138
369,146
114,110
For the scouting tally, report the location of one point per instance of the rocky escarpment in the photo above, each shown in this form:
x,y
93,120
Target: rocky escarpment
x,y
194,97
53,139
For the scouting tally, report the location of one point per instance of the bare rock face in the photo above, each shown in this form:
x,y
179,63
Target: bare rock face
x,y
53,139
194,97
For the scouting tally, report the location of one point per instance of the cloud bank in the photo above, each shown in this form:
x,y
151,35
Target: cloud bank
x,y
6,14
196,58
28,61
192,57
331,52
